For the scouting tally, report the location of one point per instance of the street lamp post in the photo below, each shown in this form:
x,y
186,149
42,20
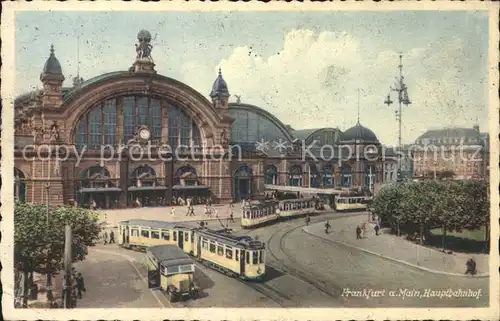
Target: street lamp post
x,y
403,99
49,274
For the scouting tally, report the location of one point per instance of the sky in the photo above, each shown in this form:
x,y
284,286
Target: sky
x,y
304,67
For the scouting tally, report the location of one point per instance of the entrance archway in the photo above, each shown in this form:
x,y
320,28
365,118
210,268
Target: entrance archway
x,y
19,185
295,176
242,179
97,189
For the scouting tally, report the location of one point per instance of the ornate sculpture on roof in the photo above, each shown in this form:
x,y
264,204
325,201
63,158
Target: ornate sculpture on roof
x,y
224,139
144,47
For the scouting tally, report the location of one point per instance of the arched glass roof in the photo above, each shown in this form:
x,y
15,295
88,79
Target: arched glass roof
x,y
252,124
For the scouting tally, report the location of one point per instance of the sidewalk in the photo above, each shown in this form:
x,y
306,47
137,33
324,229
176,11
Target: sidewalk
x,y
398,249
114,216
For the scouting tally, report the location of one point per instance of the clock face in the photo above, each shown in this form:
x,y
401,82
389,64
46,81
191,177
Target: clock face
x,y
144,134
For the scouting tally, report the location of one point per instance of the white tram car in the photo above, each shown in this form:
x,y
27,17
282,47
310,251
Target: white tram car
x,y
351,203
254,215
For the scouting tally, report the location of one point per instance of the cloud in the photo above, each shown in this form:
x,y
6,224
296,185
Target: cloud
x,y
312,82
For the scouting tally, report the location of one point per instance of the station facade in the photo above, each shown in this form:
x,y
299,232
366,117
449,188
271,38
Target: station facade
x,y
136,137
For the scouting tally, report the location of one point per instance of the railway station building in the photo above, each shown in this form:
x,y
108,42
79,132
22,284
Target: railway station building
x,y
137,137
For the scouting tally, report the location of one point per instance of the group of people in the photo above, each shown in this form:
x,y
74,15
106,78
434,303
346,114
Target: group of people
x,y
73,287
111,239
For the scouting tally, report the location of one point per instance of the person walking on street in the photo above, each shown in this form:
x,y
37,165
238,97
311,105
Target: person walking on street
x,y
231,203
363,227
111,237
376,229
358,232
308,220
172,212
327,227
191,210
105,236
80,285
231,218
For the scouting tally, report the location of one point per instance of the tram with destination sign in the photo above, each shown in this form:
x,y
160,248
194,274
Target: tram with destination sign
x,y
238,256
256,214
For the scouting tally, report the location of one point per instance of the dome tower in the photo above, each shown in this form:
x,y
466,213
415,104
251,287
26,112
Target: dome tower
x,y
52,79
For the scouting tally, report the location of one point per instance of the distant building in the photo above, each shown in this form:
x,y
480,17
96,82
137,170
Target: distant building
x,y
391,164
458,153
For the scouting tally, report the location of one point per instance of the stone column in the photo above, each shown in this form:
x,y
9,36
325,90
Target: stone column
x,y
124,162
169,179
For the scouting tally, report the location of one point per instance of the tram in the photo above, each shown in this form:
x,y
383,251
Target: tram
x,y
351,203
254,215
238,256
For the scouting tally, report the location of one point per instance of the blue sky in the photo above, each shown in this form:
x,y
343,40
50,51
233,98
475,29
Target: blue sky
x,y
304,67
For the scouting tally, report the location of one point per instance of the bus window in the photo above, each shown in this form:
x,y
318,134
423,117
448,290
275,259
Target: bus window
x,y
135,232
220,250
155,235
186,236
144,233
166,235
212,247
237,255
204,244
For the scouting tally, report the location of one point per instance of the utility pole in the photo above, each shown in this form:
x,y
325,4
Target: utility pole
x,y
68,282
402,90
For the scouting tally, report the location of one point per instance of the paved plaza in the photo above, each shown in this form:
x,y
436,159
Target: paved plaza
x,y
220,212
397,248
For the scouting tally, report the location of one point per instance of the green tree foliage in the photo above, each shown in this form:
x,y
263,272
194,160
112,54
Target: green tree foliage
x,y
39,247
420,206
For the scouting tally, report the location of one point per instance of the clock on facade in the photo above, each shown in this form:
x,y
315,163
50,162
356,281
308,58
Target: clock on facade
x,y
144,134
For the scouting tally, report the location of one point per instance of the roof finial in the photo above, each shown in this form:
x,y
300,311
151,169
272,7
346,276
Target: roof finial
x,y
358,106
220,72
52,49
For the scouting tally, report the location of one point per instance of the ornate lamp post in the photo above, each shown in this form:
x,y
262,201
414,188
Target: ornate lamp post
x,y
49,274
403,99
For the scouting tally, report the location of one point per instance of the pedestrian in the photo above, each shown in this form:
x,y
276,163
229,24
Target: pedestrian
x,y
327,227
308,219
191,211
187,212
376,229
231,203
358,232
80,285
172,212
471,267
363,227
105,236
231,218
111,237
216,213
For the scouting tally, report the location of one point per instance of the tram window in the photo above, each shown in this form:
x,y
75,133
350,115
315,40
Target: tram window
x,y
166,235
135,232
155,235
144,233
261,256
237,255
175,236
212,247
248,257
220,250
204,244
255,257
186,236
229,253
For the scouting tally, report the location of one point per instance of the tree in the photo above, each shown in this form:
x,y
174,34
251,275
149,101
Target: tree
x,y
39,247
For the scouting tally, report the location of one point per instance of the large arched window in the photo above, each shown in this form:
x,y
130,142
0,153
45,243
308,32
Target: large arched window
x,y
345,176
96,177
19,185
143,175
271,175
369,176
328,178
186,176
100,125
295,176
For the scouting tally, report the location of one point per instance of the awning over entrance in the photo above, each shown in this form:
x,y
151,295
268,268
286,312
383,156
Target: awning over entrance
x,y
146,188
99,189
191,187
